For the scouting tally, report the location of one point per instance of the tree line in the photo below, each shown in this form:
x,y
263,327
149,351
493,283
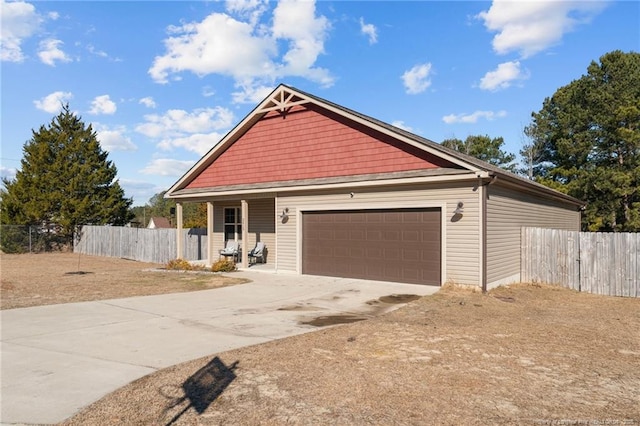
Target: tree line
x,y
584,142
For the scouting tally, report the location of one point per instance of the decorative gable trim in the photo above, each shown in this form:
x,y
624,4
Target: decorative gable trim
x,y
282,99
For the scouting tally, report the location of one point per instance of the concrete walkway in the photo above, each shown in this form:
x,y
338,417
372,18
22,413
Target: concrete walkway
x,y
57,359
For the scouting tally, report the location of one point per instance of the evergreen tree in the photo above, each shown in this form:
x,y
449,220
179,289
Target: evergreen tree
x,y
485,149
65,180
588,138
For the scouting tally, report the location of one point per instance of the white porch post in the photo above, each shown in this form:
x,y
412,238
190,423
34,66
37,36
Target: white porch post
x,y
245,233
179,242
210,233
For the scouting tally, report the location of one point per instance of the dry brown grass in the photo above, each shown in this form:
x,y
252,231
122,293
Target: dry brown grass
x,y
51,278
527,354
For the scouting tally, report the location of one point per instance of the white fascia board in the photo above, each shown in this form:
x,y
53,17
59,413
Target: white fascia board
x,y
342,185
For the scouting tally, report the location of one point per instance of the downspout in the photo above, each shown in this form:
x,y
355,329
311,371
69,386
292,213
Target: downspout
x,y
483,206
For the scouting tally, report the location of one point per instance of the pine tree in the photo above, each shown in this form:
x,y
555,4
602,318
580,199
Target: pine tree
x,y
588,134
485,149
65,180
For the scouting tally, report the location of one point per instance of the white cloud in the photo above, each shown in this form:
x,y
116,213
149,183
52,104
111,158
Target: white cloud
x,y
180,121
7,172
400,124
242,6
141,191
207,91
219,44
251,9
417,80
250,92
503,76
103,105
370,31
18,21
114,139
533,26
92,49
50,52
246,49
200,143
148,102
197,131
474,117
54,16
52,103
296,21
167,167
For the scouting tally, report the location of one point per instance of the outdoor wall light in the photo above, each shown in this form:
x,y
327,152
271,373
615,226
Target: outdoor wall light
x,y
459,209
285,213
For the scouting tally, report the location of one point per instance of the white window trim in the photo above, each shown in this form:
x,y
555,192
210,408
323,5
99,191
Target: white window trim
x,y
238,223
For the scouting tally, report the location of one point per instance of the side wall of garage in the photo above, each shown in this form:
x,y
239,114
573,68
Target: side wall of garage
x,y
508,210
460,233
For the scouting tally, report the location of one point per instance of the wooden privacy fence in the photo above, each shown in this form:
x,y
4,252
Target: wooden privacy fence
x,y
142,244
594,262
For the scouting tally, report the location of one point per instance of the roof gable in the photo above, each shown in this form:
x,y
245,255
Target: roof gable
x,y
159,222
285,101
282,101
308,142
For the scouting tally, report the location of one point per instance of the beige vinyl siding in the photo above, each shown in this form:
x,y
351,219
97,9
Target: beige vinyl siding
x,y
507,211
261,225
218,226
460,250
286,232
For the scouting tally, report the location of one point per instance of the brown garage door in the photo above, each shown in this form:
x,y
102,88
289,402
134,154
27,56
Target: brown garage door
x,y
386,245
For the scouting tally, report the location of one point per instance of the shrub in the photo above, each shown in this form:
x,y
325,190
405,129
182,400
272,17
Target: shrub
x,y
223,265
179,265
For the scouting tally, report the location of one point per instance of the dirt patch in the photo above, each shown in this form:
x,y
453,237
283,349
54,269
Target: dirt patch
x,y
326,320
395,299
547,356
52,278
300,307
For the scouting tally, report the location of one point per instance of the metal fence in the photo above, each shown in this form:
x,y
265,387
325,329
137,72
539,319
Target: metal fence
x,y
142,244
31,239
593,262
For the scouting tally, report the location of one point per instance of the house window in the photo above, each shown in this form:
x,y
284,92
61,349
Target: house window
x,y
232,224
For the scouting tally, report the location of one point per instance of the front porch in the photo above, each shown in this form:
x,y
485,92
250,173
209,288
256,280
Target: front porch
x,y
245,222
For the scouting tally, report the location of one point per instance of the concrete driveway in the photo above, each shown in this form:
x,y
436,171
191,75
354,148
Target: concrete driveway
x,y
57,359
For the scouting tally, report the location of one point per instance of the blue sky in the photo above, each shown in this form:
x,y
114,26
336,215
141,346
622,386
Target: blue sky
x,y
162,82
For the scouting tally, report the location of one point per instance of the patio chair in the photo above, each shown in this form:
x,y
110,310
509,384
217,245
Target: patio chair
x,y
230,250
257,253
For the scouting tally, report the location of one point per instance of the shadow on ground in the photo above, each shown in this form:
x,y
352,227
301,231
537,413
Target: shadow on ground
x,y
202,388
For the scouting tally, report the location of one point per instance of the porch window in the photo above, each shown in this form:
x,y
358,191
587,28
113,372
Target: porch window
x,y
232,224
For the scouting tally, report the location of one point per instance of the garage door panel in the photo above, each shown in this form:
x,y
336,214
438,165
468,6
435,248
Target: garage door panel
x,y
400,245
392,254
411,236
374,236
356,235
414,255
374,217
